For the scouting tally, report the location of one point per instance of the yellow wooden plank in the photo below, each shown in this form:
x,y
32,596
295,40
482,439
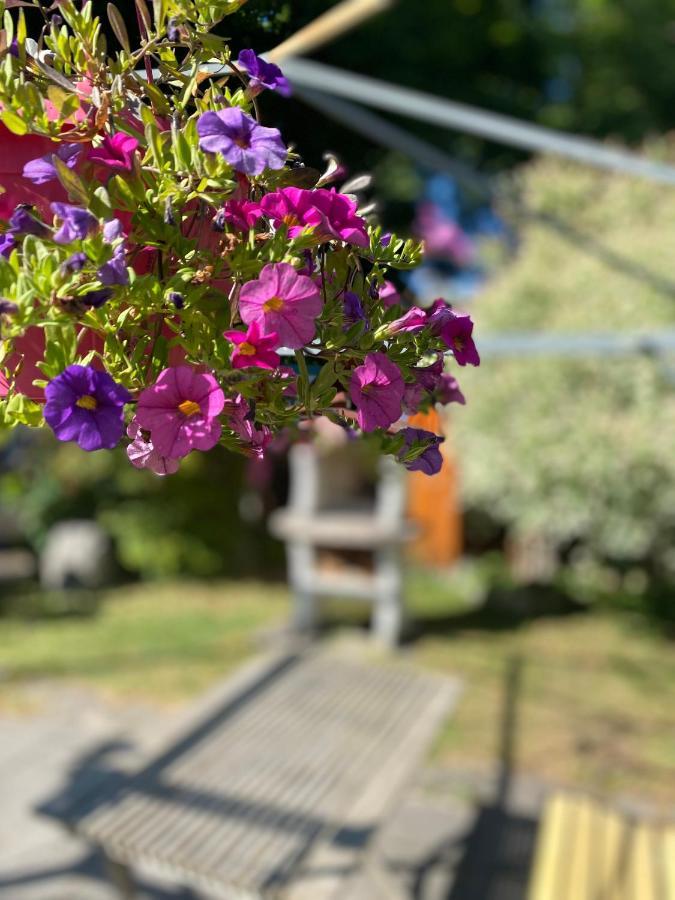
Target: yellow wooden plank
x,y
579,861
612,858
555,837
642,864
668,862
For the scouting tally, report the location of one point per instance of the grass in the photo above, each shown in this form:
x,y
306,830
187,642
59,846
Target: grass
x,y
594,701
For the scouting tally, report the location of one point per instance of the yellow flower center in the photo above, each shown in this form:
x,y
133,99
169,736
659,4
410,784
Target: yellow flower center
x,y
246,349
458,343
274,304
290,219
86,402
189,407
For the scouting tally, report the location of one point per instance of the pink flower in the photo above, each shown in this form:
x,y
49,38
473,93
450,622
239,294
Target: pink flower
x,y
414,320
180,411
241,421
332,215
142,454
282,301
241,214
253,348
389,295
377,390
116,152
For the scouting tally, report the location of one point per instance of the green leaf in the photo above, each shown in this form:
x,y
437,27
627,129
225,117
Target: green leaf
x,y
71,181
118,26
14,122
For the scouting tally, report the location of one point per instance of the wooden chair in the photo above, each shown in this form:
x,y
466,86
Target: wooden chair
x,y
588,851
330,508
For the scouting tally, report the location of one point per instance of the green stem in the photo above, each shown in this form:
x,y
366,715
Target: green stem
x,y
304,374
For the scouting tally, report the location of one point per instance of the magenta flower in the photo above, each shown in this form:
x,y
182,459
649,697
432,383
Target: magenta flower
x,y
241,214
430,460
455,331
248,147
448,391
42,169
116,152
389,295
254,348
429,376
413,397
282,301
86,406
377,390
142,454
76,223
180,411
241,420
332,215
263,74
414,320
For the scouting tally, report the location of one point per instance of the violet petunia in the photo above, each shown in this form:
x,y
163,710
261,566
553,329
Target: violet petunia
x,y
76,223
75,263
376,389
86,406
248,147
430,459
263,74
389,295
253,348
142,453
448,391
115,270
116,152
43,169
112,229
97,297
180,410
332,216
429,376
282,301
353,310
456,333
7,244
413,398
23,221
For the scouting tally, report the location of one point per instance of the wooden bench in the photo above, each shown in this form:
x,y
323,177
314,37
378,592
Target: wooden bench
x,y
588,851
279,787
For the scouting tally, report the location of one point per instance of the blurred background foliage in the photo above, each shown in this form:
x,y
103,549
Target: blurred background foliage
x,y
579,451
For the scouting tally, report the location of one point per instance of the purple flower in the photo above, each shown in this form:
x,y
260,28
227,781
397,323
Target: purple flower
x,y
429,376
116,152
112,230
282,301
75,263
413,397
177,299
14,48
115,270
448,391
430,459
263,74
76,223
86,406
96,298
142,453
43,169
7,244
7,307
353,309
248,147
389,295
22,221
414,320
377,389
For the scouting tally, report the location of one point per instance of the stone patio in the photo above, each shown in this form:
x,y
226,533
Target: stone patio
x,y
447,841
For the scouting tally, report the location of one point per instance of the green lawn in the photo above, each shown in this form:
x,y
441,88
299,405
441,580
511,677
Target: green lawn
x,y
594,706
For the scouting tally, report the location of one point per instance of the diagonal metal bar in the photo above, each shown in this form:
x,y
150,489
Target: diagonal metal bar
x,y
305,73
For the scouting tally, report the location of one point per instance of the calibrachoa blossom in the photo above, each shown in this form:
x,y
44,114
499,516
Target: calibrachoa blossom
x,y
115,152
43,169
254,348
86,406
377,390
263,74
430,459
154,226
282,301
248,147
142,453
180,411
331,215
76,223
